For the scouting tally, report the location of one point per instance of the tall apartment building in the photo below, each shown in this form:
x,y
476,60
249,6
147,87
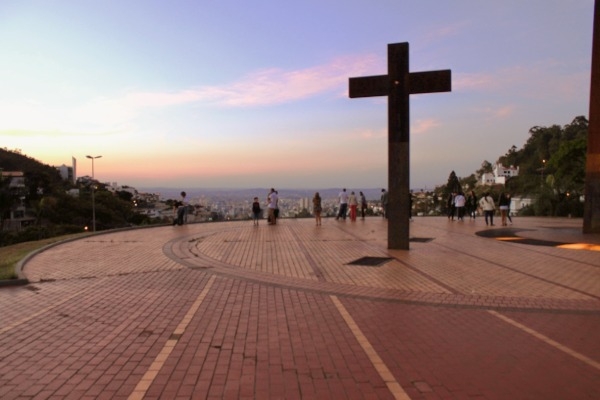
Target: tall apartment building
x,y
69,173
305,203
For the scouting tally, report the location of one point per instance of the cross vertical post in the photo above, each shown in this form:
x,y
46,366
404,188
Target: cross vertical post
x,y
591,213
398,84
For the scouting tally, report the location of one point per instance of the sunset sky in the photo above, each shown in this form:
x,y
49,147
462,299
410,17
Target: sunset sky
x,y
239,94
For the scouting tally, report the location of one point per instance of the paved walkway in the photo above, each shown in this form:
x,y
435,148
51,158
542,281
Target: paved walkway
x,y
295,311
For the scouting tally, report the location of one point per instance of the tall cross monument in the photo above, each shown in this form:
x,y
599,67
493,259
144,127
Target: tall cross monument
x,y
591,213
398,84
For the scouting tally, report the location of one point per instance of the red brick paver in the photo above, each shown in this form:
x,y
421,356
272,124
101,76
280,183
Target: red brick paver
x,y
232,311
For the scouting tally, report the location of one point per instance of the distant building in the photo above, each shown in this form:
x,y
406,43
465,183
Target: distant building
x,y
305,203
69,173
17,217
17,179
518,203
499,175
73,192
66,173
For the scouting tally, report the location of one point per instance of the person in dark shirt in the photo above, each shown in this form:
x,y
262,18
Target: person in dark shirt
x,y
256,211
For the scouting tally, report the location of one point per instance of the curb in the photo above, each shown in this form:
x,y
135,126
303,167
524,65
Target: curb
x,y
13,282
22,280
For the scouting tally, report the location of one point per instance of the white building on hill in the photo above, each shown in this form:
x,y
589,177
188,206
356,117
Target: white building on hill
x,y
499,175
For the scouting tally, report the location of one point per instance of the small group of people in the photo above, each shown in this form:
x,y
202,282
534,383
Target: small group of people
x,y
488,205
353,201
457,205
272,207
350,204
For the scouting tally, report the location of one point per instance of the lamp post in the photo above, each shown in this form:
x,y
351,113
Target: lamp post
x,y
93,200
543,169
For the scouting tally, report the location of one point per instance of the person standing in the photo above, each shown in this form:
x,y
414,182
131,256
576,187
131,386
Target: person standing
x,y
451,205
182,206
363,205
272,199
509,204
256,211
277,206
459,204
343,196
384,203
488,207
410,204
317,208
472,205
353,202
503,204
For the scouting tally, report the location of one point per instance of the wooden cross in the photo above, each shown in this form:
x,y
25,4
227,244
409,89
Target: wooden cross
x,y
398,84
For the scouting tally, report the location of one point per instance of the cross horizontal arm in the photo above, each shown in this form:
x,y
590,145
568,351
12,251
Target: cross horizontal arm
x,y
419,82
369,86
430,81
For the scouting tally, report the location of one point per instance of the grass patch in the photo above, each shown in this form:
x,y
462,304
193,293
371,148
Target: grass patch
x,y
11,255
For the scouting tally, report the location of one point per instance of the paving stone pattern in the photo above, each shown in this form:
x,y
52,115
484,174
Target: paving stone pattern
x,y
233,311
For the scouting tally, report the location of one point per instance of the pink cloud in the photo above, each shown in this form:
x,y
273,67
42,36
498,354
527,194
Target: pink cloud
x,y
260,88
371,134
471,82
503,112
424,125
275,86
525,81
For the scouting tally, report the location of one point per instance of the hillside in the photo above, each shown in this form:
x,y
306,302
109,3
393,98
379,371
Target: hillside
x,y
38,174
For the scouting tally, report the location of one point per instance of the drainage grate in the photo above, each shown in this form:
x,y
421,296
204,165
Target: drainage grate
x,y
420,240
370,261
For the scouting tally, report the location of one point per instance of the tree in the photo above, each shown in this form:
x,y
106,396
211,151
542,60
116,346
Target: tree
x,y
468,183
551,167
453,184
6,200
567,166
486,168
125,195
510,158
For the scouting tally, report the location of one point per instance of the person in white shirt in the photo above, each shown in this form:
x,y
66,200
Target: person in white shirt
x,y
353,202
488,207
272,199
181,210
459,204
343,196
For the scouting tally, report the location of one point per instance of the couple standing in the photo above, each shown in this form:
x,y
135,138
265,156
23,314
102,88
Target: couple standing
x,y
351,199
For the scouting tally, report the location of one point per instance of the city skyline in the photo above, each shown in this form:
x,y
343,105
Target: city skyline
x,y
231,95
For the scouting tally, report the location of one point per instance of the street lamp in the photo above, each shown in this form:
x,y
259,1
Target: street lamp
x,y
543,168
93,200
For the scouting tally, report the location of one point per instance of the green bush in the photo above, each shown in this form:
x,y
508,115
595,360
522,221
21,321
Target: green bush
x,y
527,211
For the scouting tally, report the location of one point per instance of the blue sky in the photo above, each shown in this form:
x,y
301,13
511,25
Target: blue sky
x,y
255,94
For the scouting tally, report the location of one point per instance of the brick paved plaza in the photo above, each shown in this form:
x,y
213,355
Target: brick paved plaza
x,y
232,311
